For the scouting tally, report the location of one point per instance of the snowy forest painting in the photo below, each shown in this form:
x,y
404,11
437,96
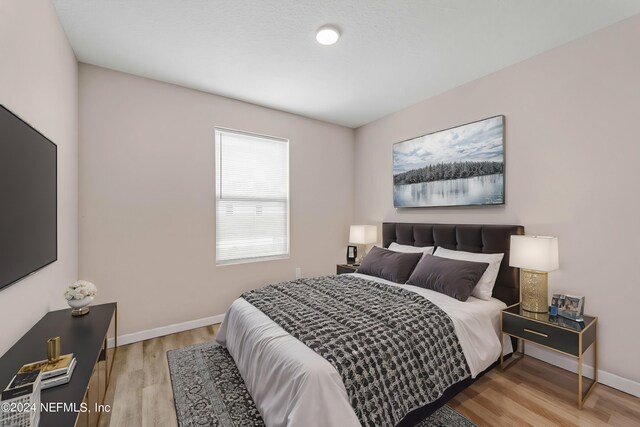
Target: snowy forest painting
x,y
460,166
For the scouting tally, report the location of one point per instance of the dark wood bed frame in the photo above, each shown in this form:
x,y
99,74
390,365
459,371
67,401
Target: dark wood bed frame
x,y
477,238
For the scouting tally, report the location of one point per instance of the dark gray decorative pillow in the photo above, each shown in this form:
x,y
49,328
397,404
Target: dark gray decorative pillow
x,y
390,265
451,277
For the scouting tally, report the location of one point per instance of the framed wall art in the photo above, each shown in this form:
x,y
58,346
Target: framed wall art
x,y
461,166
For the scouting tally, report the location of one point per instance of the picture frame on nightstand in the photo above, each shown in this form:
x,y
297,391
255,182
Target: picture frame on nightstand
x,y
352,254
569,306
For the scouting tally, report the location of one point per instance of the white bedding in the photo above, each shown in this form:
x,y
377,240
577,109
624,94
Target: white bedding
x,y
293,386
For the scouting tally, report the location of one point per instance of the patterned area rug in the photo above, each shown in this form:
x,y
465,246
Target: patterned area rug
x,y
209,391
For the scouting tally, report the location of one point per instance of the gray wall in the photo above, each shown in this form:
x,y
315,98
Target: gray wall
x,y
38,82
572,170
147,197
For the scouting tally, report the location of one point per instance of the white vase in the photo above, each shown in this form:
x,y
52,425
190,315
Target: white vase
x,y
80,306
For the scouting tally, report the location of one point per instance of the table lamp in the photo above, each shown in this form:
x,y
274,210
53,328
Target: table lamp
x,y
535,256
363,235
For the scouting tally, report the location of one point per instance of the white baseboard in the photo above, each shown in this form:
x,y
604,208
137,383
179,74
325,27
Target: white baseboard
x,y
570,364
165,330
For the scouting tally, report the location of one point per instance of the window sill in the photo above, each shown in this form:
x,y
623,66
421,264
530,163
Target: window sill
x,y
251,260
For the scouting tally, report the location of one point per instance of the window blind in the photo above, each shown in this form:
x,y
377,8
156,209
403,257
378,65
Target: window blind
x,y
252,197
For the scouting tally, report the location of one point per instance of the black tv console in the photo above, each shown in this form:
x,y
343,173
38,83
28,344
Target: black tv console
x,y
85,337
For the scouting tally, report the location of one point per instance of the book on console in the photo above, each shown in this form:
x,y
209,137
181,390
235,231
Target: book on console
x,y
22,392
59,379
50,369
22,384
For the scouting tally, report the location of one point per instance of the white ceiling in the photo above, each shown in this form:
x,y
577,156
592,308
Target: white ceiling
x,y
391,55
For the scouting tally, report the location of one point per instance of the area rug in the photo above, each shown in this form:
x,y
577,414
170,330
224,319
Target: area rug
x,y
209,391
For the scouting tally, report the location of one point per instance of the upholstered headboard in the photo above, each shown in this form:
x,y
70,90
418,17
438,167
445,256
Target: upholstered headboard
x,y
479,238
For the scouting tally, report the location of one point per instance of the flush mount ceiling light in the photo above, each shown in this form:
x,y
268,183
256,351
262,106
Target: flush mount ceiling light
x,y
327,35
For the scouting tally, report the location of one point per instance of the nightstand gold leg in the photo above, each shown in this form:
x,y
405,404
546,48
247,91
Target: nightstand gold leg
x,y
501,348
580,371
515,356
595,354
580,382
582,398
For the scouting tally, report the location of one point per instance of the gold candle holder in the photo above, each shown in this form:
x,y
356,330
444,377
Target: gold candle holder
x,y
53,349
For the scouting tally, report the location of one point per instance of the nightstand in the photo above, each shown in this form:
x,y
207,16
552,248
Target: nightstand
x,y
346,268
555,333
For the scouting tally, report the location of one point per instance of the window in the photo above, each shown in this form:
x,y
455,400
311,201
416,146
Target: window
x,y
252,197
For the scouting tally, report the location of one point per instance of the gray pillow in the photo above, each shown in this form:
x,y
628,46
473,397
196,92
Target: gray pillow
x,y
451,277
390,265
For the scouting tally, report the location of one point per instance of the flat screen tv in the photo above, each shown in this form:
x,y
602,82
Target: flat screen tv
x,y
28,199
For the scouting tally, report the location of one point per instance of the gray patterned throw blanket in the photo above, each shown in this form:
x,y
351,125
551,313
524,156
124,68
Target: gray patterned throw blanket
x,y
395,350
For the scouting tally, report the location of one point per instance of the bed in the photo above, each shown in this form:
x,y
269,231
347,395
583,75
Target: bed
x,y
295,385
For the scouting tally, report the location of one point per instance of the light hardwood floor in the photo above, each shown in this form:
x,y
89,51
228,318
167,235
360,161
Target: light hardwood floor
x,y
531,393
140,388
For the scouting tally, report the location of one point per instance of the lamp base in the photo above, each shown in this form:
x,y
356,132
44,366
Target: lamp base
x,y
534,291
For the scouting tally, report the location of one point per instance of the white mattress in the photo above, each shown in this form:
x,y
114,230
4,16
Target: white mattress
x,y
293,386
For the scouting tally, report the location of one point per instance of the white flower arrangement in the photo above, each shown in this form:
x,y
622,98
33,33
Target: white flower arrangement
x,y
80,289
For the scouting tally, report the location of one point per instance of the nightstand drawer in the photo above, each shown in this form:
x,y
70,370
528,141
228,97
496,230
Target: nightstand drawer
x,y
346,268
557,338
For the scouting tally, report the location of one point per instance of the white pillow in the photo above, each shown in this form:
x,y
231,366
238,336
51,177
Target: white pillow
x,y
484,288
426,250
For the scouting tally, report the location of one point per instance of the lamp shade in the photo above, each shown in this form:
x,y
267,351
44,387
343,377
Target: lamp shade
x,y
538,253
363,234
